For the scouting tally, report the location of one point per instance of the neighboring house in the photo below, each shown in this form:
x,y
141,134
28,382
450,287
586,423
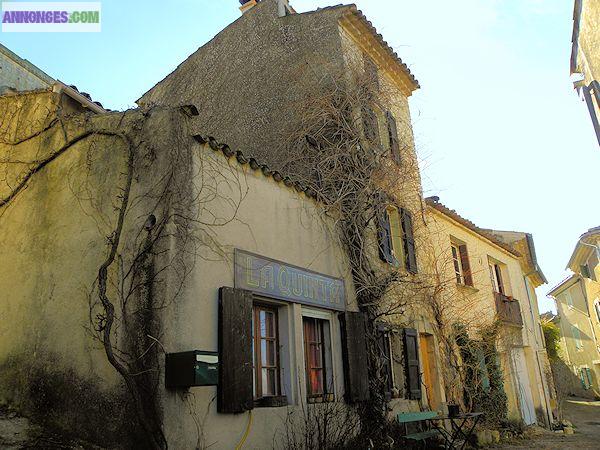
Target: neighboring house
x,y
19,74
585,57
578,304
494,276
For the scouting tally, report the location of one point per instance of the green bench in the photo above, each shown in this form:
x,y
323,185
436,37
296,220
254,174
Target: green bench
x,y
416,417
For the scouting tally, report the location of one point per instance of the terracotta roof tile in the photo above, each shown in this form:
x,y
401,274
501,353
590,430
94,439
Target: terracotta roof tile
x,y
435,204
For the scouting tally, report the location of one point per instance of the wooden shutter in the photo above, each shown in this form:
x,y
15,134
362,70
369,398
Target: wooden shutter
x,y
235,393
354,353
410,258
411,355
370,125
384,235
371,73
466,267
393,136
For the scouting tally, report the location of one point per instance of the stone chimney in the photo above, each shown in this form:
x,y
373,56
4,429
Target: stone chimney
x,y
247,5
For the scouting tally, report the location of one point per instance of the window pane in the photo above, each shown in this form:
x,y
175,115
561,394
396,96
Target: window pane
x,y
268,353
263,324
269,324
316,381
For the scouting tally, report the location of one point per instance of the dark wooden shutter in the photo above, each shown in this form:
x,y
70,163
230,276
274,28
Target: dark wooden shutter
x,y
393,135
408,239
384,235
354,353
371,73
370,125
411,355
585,271
235,393
466,267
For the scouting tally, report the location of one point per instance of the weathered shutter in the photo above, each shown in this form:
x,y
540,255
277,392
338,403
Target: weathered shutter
x,y
370,125
466,267
371,73
384,235
411,355
410,258
235,393
393,136
354,353
585,271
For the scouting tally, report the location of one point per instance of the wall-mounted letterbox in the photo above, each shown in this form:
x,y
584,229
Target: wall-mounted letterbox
x,y
194,368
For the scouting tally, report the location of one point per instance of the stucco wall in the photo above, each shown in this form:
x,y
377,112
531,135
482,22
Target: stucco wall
x,y
589,40
273,221
52,244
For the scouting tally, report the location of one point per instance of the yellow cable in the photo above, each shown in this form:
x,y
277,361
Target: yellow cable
x,y
241,444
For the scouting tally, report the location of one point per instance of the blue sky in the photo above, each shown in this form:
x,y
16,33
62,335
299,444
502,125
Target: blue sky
x,y
502,136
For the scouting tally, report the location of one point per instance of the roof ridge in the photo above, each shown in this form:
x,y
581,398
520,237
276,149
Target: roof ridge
x,y
467,223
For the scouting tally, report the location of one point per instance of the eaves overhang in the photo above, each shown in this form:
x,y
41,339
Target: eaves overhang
x,y
582,249
366,36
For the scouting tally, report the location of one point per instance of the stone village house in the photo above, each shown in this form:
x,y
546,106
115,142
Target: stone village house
x,y
220,256
577,301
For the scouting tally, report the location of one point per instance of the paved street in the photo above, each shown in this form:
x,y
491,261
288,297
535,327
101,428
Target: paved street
x,y
585,416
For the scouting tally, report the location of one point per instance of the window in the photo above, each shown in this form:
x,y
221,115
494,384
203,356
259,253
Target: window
x,y
371,73
569,299
585,374
385,357
585,271
577,337
317,355
267,381
496,277
392,130
396,240
597,308
462,269
370,126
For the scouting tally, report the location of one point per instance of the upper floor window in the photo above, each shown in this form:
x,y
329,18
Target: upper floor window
x,y
462,268
392,131
569,299
267,381
577,337
496,277
396,238
372,77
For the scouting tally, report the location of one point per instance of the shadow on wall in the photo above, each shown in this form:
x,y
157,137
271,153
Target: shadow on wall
x,y
66,403
569,384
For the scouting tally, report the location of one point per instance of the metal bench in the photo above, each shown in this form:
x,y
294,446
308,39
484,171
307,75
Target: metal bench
x,y
418,417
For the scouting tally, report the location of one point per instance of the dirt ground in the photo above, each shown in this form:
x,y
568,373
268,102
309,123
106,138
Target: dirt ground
x,y
585,416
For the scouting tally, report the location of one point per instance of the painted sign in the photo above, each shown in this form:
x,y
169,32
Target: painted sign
x,y
283,281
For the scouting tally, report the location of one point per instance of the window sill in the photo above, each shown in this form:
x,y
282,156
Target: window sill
x,y
325,398
271,402
467,287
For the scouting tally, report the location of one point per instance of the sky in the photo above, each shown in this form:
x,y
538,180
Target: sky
x,y
501,134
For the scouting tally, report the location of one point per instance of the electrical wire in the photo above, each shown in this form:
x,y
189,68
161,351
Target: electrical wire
x,y
245,436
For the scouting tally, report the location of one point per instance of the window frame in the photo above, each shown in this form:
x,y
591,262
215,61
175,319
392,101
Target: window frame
x,y
326,352
257,338
577,339
497,278
457,263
